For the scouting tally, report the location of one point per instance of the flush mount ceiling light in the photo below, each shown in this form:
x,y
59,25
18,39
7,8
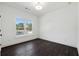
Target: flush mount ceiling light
x,y
38,5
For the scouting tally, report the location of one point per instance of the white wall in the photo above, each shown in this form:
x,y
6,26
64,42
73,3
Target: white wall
x,y
1,25
60,26
78,30
9,25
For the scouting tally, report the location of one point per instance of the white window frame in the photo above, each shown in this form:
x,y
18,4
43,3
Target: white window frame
x,y
25,31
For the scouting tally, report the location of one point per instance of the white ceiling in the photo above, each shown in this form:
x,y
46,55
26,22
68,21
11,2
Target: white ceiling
x,y
48,7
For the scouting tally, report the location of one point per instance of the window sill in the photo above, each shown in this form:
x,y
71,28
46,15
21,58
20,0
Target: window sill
x,y
19,36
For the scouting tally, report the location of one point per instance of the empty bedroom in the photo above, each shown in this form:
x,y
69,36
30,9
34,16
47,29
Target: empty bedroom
x,y
39,28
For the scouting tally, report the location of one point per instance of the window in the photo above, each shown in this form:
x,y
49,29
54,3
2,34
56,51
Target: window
x,y
23,26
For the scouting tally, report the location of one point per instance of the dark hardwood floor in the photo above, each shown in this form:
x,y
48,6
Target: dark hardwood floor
x,y
39,47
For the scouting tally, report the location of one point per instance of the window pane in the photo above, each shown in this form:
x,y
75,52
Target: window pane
x,y
19,26
29,26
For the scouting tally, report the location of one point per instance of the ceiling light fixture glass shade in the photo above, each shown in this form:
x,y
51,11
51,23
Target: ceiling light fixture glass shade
x,y
38,7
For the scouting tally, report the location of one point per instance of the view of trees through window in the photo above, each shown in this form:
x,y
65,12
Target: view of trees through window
x,y
23,26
